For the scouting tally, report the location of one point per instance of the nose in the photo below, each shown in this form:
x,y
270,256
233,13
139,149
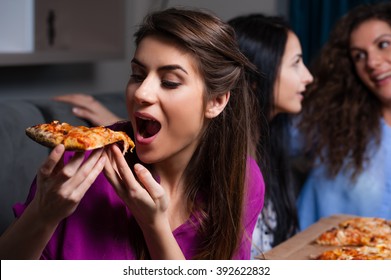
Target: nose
x,y
307,77
145,92
374,60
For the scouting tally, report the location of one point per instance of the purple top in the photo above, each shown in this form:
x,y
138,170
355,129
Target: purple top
x,y
100,227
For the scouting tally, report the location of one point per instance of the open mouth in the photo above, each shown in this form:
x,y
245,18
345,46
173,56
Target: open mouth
x,y
147,127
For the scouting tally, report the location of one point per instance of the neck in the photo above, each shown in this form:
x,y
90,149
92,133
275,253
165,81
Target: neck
x,y
387,115
171,176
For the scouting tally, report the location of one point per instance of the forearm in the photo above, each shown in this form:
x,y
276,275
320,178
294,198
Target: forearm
x,y
27,237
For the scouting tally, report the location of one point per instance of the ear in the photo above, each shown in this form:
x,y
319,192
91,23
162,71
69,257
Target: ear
x,y
216,105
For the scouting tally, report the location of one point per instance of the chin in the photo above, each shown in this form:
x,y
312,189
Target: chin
x,y
297,109
294,111
145,157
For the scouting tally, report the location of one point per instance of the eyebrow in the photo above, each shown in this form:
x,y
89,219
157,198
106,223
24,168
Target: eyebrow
x,y
170,67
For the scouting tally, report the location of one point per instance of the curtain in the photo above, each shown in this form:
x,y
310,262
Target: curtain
x,y
312,21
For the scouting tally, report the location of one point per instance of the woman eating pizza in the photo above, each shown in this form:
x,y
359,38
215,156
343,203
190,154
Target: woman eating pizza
x,y
192,178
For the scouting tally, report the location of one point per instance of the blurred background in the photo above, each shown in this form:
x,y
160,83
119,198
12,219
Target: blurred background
x,y
52,47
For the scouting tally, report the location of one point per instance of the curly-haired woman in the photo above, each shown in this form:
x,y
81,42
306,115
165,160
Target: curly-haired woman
x,y
346,120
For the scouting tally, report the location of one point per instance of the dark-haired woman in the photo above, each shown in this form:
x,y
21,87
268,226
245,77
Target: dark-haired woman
x,y
271,45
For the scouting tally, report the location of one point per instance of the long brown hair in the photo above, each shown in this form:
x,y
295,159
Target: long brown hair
x,y
340,115
217,171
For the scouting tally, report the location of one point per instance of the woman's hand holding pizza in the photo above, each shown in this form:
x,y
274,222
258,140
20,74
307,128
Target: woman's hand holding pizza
x,y
148,202
145,197
61,187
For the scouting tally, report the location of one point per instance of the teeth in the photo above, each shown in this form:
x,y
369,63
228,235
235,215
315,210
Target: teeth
x,y
145,119
383,76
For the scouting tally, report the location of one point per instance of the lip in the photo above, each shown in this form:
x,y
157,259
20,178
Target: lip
x,y
144,141
143,115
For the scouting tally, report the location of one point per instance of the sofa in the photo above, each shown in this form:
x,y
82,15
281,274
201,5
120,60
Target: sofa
x,y
20,156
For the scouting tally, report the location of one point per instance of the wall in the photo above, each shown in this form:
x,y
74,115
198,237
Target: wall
x,y
111,76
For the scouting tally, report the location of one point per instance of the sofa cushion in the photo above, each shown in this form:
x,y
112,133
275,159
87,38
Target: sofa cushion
x,y
20,156
116,103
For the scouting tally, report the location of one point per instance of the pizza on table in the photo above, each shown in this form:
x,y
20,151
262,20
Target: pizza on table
x,y
361,238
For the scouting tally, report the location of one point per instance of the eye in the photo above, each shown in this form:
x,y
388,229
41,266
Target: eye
x,y
137,74
358,56
297,61
170,84
383,44
135,78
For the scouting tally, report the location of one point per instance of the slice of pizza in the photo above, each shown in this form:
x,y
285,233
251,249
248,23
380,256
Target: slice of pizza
x,y
359,253
341,236
376,226
77,138
361,231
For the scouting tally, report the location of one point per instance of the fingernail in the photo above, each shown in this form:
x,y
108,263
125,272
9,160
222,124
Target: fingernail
x,y
59,148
